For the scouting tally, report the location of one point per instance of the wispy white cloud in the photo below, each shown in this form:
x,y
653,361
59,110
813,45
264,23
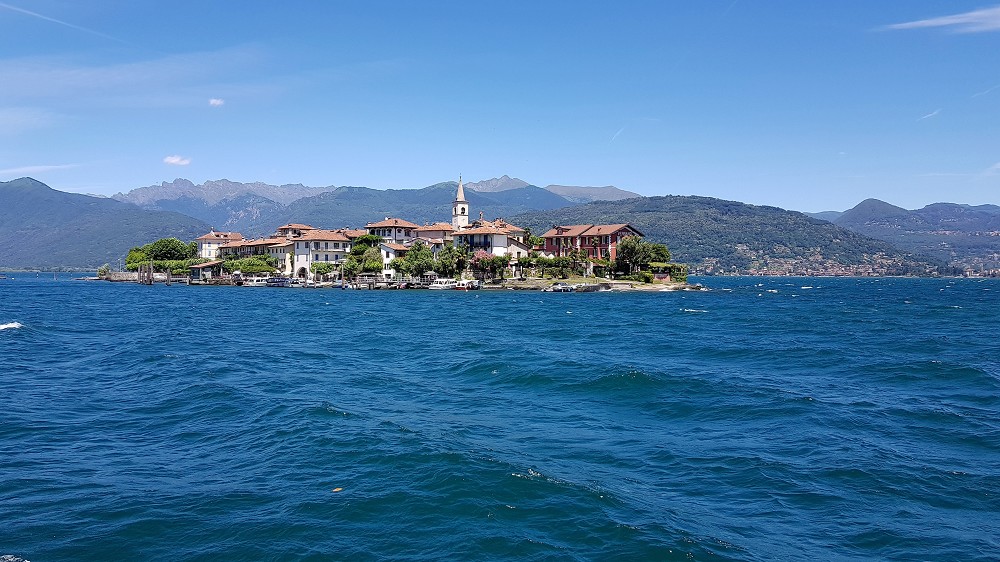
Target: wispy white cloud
x,y
173,80
986,91
36,169
620,131
16,120
992,170
929,115
60,22
976,21
216,102
176,160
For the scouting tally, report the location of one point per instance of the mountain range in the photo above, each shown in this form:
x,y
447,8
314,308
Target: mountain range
x,y
717,236
255,208
41,228
710,234
962,236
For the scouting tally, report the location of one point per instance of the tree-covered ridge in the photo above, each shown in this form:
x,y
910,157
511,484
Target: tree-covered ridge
x,y
964,236
715,235
41,227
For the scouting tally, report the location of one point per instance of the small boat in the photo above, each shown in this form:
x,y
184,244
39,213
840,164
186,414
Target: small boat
x,y
467,284
255,282
443,283
561,287
277,282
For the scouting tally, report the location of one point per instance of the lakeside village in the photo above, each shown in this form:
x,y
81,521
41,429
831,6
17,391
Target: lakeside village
x,y
396,253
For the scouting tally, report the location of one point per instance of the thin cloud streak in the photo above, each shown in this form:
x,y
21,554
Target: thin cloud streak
x,y
929,115
986,91
976,21
216,102
620,131
60,22
37,169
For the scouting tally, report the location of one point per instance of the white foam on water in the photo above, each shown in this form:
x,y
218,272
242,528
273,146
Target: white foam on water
x,y
11,326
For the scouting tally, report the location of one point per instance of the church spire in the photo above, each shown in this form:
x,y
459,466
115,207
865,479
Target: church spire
x,y
460,208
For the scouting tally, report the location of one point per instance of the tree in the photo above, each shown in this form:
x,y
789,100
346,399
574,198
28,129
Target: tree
x,y
658,252
451,261
322,268
371,259
104,270
633,253
351,268
419,259
169,249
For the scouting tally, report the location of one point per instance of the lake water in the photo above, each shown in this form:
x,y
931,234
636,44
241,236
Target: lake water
x,y
768,418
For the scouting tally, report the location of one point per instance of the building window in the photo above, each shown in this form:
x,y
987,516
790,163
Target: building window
x,y
326,257
316,258
336,245
326,245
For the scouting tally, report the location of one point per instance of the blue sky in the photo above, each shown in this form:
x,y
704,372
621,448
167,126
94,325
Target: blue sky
x,y
801,104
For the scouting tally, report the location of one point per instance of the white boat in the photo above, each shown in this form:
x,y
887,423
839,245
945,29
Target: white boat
x,y
255,282
443,283
467,284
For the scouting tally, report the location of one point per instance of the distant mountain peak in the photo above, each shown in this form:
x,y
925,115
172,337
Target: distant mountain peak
x,y
503,183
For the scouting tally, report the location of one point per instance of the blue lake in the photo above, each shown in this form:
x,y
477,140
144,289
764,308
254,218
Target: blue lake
x,y
767,418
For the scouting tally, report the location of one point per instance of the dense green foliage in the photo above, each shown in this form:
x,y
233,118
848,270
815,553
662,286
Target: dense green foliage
x,y
451,261
166,254
960,235
418,260
253,265
322,268
729,233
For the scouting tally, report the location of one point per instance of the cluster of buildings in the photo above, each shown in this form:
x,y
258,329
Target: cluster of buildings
x,y
297,246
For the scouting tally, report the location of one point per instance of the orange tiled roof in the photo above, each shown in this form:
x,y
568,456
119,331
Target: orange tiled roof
x,y
567,230
436,226
325,235
480,230
588,230
297,226
394,246
220,236
390,222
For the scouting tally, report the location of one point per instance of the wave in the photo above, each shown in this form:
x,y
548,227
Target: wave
x,y
11,326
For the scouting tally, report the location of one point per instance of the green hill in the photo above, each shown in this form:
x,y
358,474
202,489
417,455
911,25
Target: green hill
x,y
713,235
963,236
41,228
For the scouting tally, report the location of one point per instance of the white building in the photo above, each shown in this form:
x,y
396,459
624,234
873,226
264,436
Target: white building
x,y
208,244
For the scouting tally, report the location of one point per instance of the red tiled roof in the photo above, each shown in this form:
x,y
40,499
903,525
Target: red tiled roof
x,y
436,226
588,230
392,222
394,246
325,235
352,234
297,226
220,236
567,230
479,230
206,264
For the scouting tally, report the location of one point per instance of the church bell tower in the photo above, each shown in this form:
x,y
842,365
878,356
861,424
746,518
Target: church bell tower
x,y
460,209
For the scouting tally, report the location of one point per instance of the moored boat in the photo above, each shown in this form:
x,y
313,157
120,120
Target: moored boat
x,y
443,283
467,284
